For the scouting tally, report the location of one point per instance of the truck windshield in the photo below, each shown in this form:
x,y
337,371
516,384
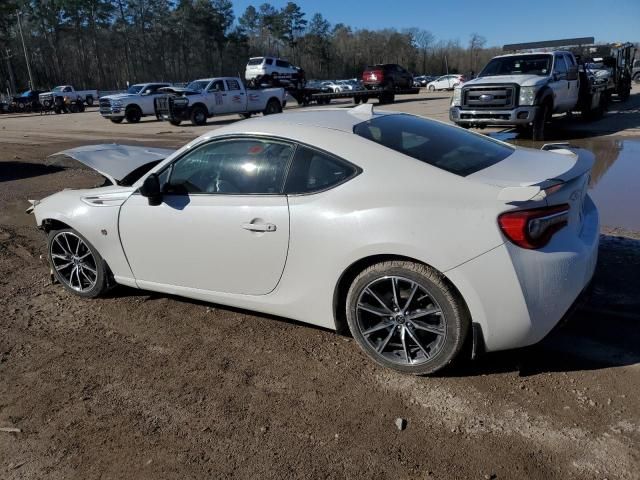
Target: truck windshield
x,y
58,89
198,85
452,149
518,65
134,89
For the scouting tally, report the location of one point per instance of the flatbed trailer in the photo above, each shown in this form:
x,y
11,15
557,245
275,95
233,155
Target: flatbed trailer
x,y
306,96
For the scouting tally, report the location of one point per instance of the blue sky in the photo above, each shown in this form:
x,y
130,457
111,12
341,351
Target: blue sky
x,y
499,22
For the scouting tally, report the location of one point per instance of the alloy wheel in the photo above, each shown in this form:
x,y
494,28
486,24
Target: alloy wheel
x,y
400,320
73,261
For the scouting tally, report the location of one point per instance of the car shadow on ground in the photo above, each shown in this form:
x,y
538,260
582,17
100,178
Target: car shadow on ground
x,y
603,333
10,171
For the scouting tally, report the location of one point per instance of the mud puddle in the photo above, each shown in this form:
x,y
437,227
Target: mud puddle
x,y
615,177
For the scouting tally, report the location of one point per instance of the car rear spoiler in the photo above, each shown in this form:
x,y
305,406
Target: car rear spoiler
x,y
584,162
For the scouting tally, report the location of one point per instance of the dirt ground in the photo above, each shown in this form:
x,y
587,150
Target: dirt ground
x,y
145,386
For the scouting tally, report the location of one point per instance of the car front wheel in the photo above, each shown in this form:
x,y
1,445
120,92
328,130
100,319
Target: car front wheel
x,y
405,317
76,264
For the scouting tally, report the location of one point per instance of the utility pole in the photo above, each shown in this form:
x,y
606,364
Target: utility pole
x,y
26,56
12,79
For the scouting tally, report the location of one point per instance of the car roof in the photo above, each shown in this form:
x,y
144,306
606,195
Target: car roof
x,y
531,53
341,119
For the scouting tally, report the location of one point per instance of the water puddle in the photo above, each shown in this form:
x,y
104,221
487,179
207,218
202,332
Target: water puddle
x,y
615,178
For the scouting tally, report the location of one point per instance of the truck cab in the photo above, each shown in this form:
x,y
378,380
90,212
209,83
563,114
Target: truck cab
x,y
522,89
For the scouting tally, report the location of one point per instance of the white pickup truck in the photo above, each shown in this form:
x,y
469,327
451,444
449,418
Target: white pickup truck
x,y
205,98
67,94
524,90
135,103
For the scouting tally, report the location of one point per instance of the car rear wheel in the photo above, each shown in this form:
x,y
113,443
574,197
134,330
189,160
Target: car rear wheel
x,y
431,88
405,317
273,106
76,264
89,101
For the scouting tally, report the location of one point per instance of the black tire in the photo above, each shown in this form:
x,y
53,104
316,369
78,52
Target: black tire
x,y
117,120
636,77
364,99
89,101
452,327
246,115
538,130
93,261
356,100
199,115
74,108
133,114
431,88
273,106
175,122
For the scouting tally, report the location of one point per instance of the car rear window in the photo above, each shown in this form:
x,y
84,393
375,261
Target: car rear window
x,y
449,148
255,61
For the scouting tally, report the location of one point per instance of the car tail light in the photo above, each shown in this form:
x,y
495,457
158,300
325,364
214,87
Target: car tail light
x,y
533,228
373,76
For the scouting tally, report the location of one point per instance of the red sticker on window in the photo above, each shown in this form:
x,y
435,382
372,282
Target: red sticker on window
x,y
256,149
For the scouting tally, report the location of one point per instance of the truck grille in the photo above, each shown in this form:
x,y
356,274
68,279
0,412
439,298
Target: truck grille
x,y
105,105
488,97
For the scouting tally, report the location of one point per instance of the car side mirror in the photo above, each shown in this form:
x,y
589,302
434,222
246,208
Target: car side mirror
x,y
151,189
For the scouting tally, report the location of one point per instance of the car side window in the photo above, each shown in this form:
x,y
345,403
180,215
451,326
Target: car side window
x,y
240,166
217,86
233,84
314,171
67,89
282,64
560,67
269,61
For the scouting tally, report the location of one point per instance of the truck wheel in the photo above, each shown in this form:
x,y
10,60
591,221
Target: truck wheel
x,y
89,100
117,120
538,131
133,114
175,123
198,115
364,99
273,106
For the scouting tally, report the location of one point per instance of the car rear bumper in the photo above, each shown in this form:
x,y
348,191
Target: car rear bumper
x,y
516,116
518,296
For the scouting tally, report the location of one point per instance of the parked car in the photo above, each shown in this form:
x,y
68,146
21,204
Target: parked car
x,y
207,97
27,101
445,82
137,102
66,94
335,87
273,69
458,236
420,81
388,76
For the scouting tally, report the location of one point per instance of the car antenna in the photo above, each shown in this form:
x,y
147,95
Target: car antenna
x,y
366,109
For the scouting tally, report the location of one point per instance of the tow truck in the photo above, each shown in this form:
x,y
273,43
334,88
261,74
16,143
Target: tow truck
x,y
530,83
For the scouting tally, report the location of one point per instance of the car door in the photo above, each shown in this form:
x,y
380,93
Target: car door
x,y
559,83
148,96
236,95
442,82
222,225
573,87
219,100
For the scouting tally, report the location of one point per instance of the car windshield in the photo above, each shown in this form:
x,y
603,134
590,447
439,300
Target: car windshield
x,y
452,149
518,65
255,61
198,85
134,89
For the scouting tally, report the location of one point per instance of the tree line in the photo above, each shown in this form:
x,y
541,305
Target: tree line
x,y
105,44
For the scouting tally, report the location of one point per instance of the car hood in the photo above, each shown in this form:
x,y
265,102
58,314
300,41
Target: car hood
x,y
522,80
117,162
120,96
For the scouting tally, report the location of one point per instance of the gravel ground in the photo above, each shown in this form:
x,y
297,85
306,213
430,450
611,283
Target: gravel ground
x,y
146,386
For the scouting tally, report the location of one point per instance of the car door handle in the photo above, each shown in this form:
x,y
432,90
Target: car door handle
x,y
259,227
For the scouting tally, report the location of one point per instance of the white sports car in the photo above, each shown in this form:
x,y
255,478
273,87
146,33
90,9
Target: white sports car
x,y
423,239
